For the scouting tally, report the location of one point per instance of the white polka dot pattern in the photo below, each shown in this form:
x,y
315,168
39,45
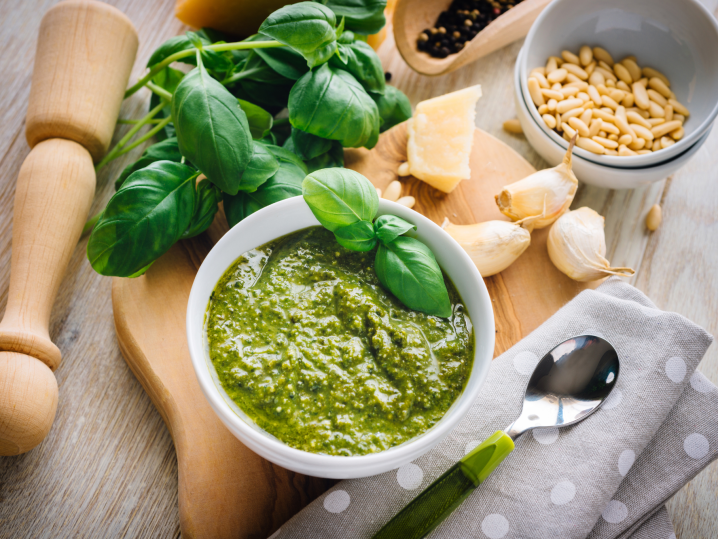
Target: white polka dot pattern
x,y
700,383
625,461
614,512
409,476
337,501
696,446
495,526
676,369
545,436
525,362
563,492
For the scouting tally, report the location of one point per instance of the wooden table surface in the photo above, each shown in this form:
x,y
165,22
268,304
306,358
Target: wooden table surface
x,y
108,467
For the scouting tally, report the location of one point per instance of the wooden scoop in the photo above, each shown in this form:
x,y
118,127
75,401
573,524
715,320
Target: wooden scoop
x,y
411,17
84,57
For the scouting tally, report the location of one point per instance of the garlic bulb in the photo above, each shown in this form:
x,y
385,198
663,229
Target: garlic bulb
x,y
552,187
493,245
577,246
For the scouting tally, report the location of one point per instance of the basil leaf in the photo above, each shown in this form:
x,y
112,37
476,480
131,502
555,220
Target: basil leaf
x,y
390,227
284,60
287,157
339,197
307,27
148,214
309,146
363,63
260,121
168,79
208,196
262,84
262,167
333,158
362,16
166,150
331,104
212,129
394,107
171,46
346,37
359,236
409,270
286,183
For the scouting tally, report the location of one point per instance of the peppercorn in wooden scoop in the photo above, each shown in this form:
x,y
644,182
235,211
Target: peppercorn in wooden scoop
x,y
481,34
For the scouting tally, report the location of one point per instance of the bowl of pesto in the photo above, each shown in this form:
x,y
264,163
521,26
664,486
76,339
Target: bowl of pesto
x,y
312,364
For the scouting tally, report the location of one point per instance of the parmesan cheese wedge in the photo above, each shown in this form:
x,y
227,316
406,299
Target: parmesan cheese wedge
x,y
440,137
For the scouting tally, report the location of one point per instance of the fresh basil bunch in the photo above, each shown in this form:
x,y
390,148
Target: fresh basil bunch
x,y
254,117
346,203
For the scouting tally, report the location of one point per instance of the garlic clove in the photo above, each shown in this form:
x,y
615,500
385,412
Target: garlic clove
x,y
393,191
492,245
577,246
550,190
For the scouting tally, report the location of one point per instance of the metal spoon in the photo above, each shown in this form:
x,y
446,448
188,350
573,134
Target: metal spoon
x,y
568,384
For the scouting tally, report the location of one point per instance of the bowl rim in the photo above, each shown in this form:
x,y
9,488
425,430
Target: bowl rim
x,y
586,162
333,466
621,162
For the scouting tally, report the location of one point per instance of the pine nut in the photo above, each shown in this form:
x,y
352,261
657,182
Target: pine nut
x,y
542,79
603,115
590,67
606,151
605,66
541,70
667,141
602,90
632,67
543,109
656,97
572,78
609,128
649,73
625,139
606,143
576,70
642,131
573,113
613,138
677,107
637,144
558,75
643,82
636,118
602,55
552,105
583,96
624,151
623,73
582,85
654,218
556,87
558,121
586,116
568,91
407,201
568,104
608,75
609,102
551,65
535,92
595,127
679,117
640,95
656,110
596,78
392,191
628,100
659,86
549,120
643,113
678,133
656,145
602,134
610,83
668,109
553,94
568,130
585,55
590,145
621,113
643,152
588,104
653,122
594,95
623,86
579,126
665,128
624,128
616,94
570,57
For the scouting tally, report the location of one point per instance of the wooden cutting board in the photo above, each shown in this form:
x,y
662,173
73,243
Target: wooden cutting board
x,y
225,490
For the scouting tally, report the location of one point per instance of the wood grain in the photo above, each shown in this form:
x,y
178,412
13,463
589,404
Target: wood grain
x,y
108,467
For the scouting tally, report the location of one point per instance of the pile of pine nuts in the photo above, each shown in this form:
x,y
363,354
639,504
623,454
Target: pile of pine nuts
x,y
617,108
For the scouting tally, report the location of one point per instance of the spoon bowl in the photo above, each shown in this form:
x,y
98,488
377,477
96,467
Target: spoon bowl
x,y
411,17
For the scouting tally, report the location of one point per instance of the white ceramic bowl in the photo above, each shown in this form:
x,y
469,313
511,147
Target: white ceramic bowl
x,y
677,37
588,171
284,218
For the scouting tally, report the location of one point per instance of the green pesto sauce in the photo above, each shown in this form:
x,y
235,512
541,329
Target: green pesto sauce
x,y
308,344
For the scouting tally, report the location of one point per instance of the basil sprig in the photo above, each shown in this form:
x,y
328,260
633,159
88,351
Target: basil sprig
x,y
346,203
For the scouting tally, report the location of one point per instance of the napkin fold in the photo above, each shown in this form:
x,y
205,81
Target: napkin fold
x,y
605,477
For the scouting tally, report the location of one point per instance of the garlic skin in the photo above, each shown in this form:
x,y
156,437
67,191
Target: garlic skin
x,y
577,246
493,245
554,187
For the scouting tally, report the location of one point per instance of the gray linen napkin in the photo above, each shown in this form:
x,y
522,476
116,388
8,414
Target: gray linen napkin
x,y
557,483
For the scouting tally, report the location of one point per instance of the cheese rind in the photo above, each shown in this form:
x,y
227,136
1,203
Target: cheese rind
x,y
441,134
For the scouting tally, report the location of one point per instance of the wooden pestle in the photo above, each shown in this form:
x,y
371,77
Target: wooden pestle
x,y
84,57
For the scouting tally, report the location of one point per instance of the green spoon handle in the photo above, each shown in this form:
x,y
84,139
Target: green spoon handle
x,y
438,500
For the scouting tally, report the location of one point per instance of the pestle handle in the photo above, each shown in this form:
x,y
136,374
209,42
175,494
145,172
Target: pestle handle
x,y
84,56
